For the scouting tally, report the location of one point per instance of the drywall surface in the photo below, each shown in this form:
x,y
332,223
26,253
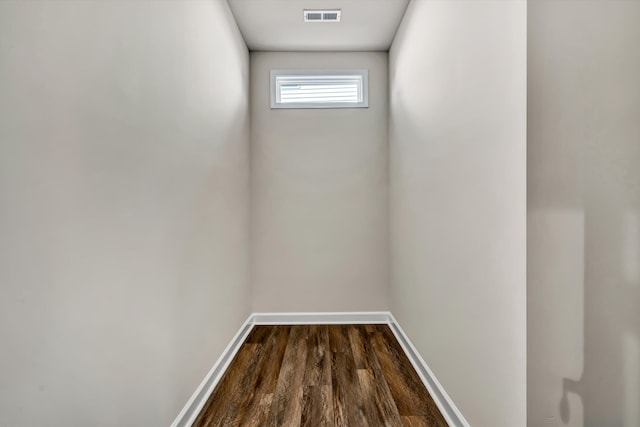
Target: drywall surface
x,y
583,165
457,197
319,193
123,207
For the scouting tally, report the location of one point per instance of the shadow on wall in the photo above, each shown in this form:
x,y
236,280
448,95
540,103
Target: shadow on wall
x,y
583,214
609,386
584,300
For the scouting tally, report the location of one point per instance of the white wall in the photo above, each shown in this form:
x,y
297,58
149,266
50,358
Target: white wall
x,y
319,193
583,214
123,207
457,196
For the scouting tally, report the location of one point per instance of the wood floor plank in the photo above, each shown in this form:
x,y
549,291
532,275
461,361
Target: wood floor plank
x,y
317,406
370,328
429,410
347,410
414,421
273,362
286,409
338,338
408,392
347,392
320,375
254,409
358,339
221,410
257,413
318,364
401,392
384,399
259,334
380,408
378,412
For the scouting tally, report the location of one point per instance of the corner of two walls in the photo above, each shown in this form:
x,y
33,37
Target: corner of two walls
x,y
124,178
215,300
458,199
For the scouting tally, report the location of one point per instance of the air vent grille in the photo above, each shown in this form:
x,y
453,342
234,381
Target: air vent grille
x,y
322,15
330,16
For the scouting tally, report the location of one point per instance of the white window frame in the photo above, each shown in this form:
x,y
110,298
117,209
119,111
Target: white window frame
x,y
275,93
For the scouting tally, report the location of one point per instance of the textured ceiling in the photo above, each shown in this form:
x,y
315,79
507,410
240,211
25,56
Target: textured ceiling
x,y
279,25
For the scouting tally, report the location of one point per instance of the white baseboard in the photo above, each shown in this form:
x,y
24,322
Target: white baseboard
x,y
371,317
448,409
193,407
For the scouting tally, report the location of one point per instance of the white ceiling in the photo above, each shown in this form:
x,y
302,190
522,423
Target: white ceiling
x,y
279,25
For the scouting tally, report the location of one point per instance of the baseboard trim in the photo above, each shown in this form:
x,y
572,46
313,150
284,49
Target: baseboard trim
x,y
448,409
193,407
337,318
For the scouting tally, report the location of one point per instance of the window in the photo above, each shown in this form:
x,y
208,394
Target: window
x,y
319,88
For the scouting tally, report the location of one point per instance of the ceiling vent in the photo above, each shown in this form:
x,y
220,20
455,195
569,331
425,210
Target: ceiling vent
x,y
322,15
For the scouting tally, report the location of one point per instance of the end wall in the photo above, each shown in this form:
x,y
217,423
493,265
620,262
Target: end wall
x,y
457,197
319,193
123,207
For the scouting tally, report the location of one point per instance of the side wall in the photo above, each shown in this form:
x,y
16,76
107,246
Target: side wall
x,y
457,197
319,193
123,207
583,214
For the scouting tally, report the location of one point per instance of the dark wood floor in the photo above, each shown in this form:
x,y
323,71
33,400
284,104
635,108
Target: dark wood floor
x,y
320,375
